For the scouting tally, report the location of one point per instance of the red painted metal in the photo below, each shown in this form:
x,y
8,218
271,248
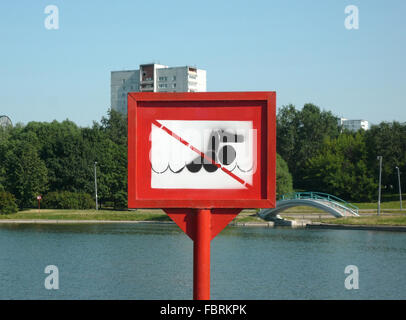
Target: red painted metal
x,y
201,213
185,219
146,107
201,255
202,225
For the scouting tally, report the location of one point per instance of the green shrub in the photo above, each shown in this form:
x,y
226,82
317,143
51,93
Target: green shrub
x,y
67,200
120,200
7,203
107,204
283,177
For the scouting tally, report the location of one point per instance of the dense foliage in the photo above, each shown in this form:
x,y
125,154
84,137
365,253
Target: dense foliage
x,y
67,200
301,134
57,159
41,158
340,168
324,157
284,183
7,203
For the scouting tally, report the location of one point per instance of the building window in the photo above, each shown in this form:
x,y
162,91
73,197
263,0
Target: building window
x,y
163,79
174,78
174,85
163,85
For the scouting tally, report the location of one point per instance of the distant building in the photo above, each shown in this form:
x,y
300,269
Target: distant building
x,y
5,121
353,125
154,78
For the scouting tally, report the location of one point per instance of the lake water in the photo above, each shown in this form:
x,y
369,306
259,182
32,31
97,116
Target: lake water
x,y
154,261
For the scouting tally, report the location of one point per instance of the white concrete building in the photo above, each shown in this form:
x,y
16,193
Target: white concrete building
x,y
154,78
353,125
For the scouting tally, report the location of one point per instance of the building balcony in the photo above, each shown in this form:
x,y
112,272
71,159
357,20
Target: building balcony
x,y
148,81
147,89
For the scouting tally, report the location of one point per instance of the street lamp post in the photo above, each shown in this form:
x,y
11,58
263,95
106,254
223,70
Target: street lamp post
x,y
380,178
95,183
400,189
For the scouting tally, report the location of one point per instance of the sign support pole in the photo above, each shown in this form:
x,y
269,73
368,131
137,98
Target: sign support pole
x,y
201,255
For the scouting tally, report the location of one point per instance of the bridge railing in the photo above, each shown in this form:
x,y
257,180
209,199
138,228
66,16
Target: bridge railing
x,y
320,196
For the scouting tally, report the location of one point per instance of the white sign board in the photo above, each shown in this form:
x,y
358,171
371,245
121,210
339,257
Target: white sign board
x,y
195,154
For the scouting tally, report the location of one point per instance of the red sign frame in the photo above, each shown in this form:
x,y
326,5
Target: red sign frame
x,y
146,107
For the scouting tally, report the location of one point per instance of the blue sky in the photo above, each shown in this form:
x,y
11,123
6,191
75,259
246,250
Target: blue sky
x,y
300,49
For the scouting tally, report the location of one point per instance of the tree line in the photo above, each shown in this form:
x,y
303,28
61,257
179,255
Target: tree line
x,y
43,158
57,159
322,156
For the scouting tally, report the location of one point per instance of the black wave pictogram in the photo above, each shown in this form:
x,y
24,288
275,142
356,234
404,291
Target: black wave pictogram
x,y
225,155
245,170
194,168
160,172
176,171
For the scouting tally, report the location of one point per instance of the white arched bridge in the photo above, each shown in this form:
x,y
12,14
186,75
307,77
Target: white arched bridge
x,y
326,202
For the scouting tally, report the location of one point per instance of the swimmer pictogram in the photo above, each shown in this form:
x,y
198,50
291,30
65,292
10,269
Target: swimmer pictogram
x,y
186,150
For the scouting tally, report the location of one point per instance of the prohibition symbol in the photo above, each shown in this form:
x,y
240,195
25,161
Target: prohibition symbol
x,y
202,154
202,158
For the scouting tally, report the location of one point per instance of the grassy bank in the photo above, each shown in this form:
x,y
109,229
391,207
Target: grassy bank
x,y
399,220
374,205
110,215
390,205
51,214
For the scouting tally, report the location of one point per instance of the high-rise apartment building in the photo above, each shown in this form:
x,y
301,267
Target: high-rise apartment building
x,y
154,78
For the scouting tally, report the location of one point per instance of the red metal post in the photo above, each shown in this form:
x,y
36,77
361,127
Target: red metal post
x,y
201,255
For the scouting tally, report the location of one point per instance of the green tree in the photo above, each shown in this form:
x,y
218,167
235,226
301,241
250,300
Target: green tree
x,y
388,139
287,133
110,139
115,125
7,203
26,173
61,148
340,168
300,135
283,177
115,173
3,148
69,153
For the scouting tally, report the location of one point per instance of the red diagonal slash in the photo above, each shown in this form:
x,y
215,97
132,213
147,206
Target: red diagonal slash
x,y
187,144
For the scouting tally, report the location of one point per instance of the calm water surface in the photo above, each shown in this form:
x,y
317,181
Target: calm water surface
x,y
144,261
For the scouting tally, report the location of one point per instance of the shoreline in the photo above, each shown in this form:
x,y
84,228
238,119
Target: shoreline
x,y
66,221
265,224
63,221
332,226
